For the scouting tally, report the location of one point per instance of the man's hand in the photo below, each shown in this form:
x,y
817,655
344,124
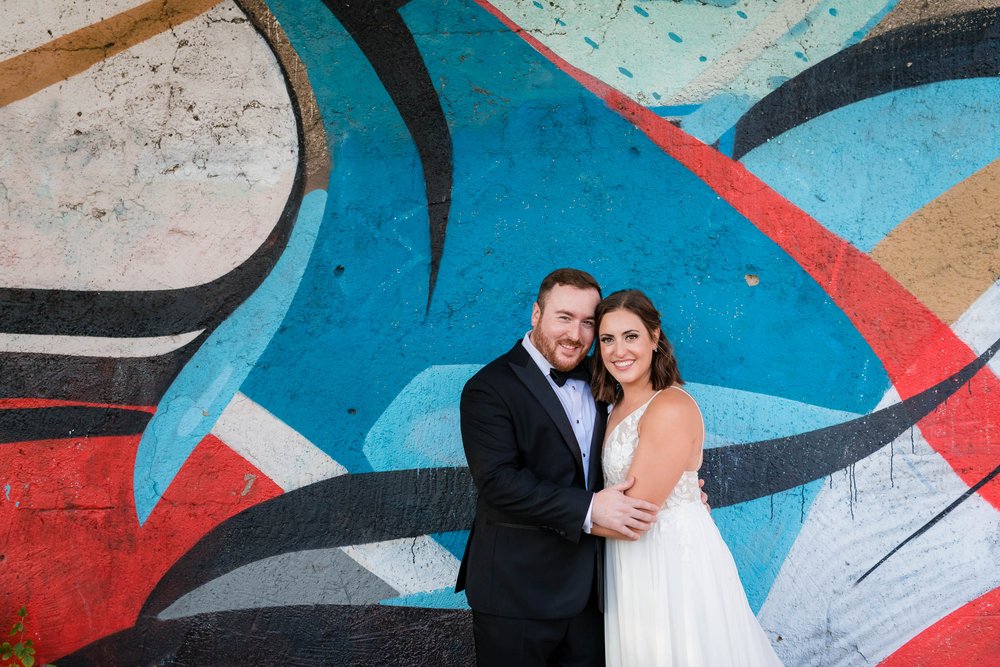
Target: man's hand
x,y
704,496
629,516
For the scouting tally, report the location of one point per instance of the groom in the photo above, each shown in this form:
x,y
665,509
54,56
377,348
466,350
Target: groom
x,y
532,435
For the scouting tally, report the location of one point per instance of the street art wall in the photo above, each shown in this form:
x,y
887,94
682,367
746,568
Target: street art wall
x,y
252,249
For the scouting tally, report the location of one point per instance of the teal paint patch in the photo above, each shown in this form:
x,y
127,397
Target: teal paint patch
x,y
454,541
742,14
420,428
445,598
625,72
592,43
640,11
206,385
674,36
761,532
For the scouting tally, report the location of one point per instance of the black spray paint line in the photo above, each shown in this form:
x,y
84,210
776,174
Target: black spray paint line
x,y
738,473
940,515
21,425
386,41
961,46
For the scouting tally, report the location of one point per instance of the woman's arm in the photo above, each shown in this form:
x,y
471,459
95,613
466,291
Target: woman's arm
x,y
670,440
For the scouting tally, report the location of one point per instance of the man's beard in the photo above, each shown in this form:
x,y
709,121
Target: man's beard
x,y
548,348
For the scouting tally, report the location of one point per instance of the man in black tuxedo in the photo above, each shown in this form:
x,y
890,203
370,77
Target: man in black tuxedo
x,y
532,435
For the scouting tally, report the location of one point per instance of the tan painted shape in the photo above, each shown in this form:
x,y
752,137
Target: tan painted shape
x,y
948,253
68,55
317,154
909,12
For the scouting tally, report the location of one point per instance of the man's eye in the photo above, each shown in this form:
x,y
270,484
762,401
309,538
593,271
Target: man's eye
x,y
588,324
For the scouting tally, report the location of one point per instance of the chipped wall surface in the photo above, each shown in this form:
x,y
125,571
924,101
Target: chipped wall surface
x,y
252,249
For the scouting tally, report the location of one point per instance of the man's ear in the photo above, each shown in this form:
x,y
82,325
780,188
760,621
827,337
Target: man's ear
x,y
536,314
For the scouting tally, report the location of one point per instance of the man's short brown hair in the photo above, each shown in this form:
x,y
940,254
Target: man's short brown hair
x,y
572,277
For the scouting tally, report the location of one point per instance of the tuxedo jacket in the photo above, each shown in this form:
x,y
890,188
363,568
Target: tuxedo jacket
x,y
527,554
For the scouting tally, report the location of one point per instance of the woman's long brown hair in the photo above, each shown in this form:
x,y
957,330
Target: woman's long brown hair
x,y
663,371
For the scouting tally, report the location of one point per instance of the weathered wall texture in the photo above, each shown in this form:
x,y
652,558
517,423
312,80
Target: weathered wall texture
x,y
251,250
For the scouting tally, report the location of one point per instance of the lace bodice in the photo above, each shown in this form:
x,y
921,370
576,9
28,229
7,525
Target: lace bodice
x,y
619,448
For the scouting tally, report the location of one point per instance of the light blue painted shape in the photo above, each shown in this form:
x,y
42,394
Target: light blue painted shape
x,y
734,416
420,428
674,36
760,533
862,169
6,491
591,42
716,116
640,11
445,598
196,398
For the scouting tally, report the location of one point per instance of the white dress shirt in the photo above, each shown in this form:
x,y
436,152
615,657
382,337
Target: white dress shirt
x,y
578,403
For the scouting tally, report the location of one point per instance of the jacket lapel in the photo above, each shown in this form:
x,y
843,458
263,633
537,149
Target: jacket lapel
x,y
526,371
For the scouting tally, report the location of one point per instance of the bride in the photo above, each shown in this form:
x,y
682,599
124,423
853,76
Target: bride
x,y
674,596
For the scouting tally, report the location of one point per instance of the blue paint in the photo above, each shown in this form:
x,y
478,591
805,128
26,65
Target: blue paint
x,y
454,541
625,72
560,22
775,82
537,4
801,56
420,428
742,14
726,141
674,36
702,59
863,169
196,398
640,11
592,43
760,538
675,110
656,96
833,11
6,491
445,598
545,152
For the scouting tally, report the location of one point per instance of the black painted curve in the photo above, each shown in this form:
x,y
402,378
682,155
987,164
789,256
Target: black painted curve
x,y
383,36
961,46
738,473
341,511
31,424
311,636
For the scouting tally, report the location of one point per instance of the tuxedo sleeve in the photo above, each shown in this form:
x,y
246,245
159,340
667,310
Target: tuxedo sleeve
x,y
489,437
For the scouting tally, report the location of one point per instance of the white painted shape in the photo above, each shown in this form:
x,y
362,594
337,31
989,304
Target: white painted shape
x,y
979,326
27,25
751,47
410,565
94,346
134,192
815,606
275,448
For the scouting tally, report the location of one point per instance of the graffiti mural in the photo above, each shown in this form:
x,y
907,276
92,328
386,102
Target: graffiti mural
x,y
252,250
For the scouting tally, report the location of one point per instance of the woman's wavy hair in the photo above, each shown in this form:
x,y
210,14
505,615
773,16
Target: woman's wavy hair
x,y
663,371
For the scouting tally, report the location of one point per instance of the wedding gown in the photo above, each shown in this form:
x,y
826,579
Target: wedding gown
x,y
674,596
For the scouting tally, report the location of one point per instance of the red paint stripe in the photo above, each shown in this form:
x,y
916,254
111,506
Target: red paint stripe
x,y
969,635
25,403
76,556
916,348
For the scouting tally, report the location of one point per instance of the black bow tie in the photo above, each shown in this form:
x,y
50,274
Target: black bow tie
x,y
578,373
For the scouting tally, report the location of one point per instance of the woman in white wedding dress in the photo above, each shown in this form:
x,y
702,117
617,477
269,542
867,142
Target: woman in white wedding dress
x,y
674,596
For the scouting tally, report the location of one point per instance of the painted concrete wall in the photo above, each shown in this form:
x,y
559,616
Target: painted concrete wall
x,y
252,249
